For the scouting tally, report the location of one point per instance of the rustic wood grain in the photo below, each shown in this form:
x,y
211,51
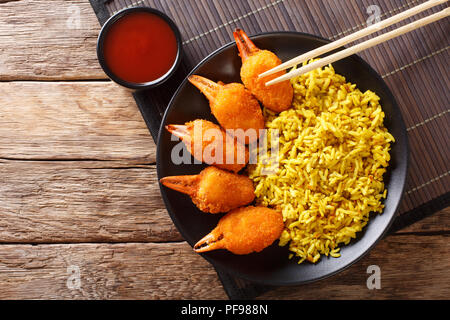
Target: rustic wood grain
x,y
438,222
72,120
411,267
107,271
81,201
48,40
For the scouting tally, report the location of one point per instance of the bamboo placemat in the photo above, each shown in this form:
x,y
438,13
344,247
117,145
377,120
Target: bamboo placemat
x,y
414,66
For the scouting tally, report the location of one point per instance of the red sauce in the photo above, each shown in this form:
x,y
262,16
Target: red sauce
x,y
140,47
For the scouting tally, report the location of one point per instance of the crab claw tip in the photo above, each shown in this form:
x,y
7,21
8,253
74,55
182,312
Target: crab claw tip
x,y
245,46
208,243
185,184
208,87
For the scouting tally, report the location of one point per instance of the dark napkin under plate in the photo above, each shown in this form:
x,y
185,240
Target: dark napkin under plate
x,y
413,66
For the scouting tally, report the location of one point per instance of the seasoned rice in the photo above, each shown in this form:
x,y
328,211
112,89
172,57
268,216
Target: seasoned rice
x,y
333,152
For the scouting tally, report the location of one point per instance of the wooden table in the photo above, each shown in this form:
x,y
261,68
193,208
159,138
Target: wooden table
x,y
81,212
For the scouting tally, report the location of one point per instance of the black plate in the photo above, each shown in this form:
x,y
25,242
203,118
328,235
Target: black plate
x,y
272,266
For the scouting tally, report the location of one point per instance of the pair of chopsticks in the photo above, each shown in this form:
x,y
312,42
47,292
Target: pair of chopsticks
x,y
359,47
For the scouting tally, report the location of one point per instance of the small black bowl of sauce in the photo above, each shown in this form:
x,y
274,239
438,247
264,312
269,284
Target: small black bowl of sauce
x,y
139,47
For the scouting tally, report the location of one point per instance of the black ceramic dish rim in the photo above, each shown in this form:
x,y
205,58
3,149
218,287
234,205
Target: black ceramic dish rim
x,y
352,261
127,84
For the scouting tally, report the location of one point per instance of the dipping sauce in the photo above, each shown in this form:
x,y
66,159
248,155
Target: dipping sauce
x,y
140,47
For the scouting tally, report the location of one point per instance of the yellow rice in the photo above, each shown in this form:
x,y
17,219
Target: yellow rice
x,y
333,152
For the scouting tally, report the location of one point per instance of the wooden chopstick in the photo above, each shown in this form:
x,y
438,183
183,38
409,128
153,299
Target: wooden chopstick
x,y
353,37
362,46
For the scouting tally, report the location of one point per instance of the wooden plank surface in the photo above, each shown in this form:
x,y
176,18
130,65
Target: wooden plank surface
x,y
107,271
81,201
411,267
437,223
72,120
48,40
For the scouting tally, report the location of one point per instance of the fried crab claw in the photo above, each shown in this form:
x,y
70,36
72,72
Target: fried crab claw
x,y
243,231
208,143
234,107
209,190
255,61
